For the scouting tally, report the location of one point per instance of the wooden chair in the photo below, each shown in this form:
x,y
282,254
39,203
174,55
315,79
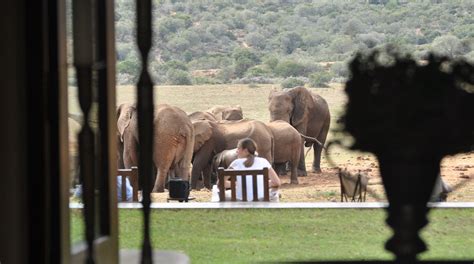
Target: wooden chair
x,y
352,186
132,175
223,174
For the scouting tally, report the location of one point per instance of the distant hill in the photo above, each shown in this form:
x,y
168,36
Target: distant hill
x,y
266,41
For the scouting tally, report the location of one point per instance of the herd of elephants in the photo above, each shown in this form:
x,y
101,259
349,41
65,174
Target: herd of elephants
x,y
193,146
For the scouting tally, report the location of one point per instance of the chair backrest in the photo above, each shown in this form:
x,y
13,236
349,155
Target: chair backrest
x,y
353,186
232,175
132,175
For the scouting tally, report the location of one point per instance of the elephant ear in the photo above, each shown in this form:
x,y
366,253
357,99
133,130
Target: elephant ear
x,y
202,133
124,116
302,99
270,95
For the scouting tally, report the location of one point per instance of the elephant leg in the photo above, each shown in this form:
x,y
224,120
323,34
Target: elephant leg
x,y
295,157
200,162
161,176
120,163
317,158
206,177
318,149
163,165
301,164
130,158
294,173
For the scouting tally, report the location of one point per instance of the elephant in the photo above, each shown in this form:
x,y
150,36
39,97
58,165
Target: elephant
x,y
287,148
172,146
222,159
212,138
226,112
308,113
202,115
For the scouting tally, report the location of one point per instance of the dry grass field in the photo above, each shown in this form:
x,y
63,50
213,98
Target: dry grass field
x,y
456,171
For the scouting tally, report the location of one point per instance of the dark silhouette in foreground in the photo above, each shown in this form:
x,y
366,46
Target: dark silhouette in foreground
x,y
410,116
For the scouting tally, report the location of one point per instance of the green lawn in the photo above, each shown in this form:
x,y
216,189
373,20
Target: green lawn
x,y
252,235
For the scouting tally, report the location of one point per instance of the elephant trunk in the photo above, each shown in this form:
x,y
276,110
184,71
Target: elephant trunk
x,y
313,139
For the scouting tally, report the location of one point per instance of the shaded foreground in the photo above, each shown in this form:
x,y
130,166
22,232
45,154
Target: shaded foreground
x,y
252,235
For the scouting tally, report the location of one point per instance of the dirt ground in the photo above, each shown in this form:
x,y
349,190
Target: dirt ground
x,y
457,171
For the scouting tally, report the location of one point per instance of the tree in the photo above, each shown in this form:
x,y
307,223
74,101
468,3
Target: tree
x,y
255,39
271,62
290,68
243,60
353,27
320,79
342,45
178,77
290,41
371,39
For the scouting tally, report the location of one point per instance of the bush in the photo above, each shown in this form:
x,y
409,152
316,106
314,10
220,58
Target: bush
x,y
226,74
320,79
205,80
178,77
256,72
174,64
290,68
271,62
292,82
254,80
340,69
243,60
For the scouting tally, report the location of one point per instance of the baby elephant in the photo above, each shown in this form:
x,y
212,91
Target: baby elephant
x,y
226,112
222,159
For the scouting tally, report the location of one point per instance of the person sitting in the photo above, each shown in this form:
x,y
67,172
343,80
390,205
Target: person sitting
x,y
247,160
129,189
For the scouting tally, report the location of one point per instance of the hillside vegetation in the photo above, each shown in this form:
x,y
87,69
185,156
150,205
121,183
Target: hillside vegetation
x,y
285,41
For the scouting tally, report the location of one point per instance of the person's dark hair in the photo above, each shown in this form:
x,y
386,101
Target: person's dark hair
x,y
251,147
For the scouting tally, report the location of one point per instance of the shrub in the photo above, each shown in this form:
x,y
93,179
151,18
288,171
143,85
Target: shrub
x,y
271,62
205,80
290,41
174,64
292,82
226,74
254,80
320,79
178,77
243,60
340,69
256,72
290,68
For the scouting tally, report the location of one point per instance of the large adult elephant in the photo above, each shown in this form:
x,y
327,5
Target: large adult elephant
x,y
226,112
287,148
305,111
172,146
212,138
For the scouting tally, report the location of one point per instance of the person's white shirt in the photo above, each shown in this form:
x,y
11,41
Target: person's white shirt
x,y
258,164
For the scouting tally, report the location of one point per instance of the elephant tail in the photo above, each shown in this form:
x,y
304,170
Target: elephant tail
x,y
313,139
272,150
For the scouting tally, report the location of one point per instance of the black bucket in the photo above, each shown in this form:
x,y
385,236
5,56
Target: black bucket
x,y
178,189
